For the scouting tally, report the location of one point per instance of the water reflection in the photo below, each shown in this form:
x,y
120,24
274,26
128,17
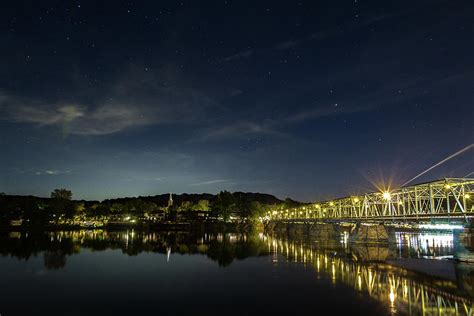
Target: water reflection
x,y
369,269
55,247
394,276
425,245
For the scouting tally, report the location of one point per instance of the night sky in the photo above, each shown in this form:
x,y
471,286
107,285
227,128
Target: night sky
x,y
305,99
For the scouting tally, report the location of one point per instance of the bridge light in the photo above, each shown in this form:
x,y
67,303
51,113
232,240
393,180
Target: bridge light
x,y
318,206
386,195
356,200
331,203
467,196
447,187
400,203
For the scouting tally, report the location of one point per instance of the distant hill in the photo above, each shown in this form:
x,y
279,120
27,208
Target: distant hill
x,y
160,200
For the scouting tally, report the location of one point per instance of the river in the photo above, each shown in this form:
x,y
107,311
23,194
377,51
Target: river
x,y
97,272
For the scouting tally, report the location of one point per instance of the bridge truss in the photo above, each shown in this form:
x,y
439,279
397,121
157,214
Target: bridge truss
x,y
444,199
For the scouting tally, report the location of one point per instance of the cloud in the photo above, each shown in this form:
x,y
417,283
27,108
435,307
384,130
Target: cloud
x,y
210,182
236,92
76,119
391,94
243,54
127,109
239,129
52,172
316,36
288,44
136,98
320,112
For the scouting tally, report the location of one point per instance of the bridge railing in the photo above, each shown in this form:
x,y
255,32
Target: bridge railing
x,y
450,197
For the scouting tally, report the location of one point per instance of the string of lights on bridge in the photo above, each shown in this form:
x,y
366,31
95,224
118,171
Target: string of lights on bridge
x,y
445,198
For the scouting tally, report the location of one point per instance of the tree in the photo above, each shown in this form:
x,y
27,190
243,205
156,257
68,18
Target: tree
x,y
101,209
224,205
61,194
185,206
80,207
61,203
289,203
202,205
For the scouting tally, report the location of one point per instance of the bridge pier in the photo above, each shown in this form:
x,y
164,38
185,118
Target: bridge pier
x,y
372,252
298,229
324,231
375,234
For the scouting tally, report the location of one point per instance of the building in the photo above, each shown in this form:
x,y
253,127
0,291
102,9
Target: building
x,y
170,201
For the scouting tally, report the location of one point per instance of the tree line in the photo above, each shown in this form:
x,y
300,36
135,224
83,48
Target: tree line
x,y
61,208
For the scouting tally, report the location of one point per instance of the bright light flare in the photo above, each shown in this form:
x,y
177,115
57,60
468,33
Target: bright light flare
x,y
440,226
392,296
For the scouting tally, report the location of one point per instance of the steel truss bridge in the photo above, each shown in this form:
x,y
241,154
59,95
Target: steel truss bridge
x,y
401,291
450,198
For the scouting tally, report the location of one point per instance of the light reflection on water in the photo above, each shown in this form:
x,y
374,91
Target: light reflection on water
x,y
425,244
369,269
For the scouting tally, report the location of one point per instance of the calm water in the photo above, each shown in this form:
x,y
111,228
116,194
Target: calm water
x,y
140,273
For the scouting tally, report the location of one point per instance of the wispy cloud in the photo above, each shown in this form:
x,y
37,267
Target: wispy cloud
x,y
317,36
131,105
243,128
77,119
52,172
210,182
391,94
136,98
242,54
336,31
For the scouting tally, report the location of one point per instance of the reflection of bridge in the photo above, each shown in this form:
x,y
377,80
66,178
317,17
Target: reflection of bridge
x,y
441,199
400,290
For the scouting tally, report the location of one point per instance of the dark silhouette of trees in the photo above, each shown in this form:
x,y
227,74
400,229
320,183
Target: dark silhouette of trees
x,y
224,205
61,209
61,203
61,194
